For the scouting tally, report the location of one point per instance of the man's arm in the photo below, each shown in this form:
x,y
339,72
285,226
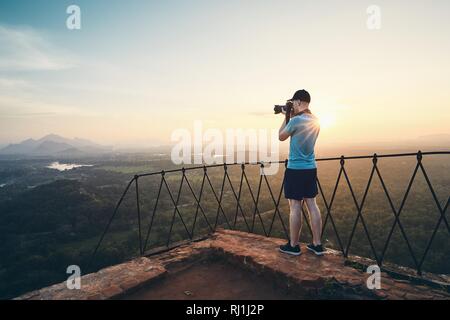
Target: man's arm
x,y
282,133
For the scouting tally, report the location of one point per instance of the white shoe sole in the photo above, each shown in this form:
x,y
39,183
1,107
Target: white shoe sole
x,y
291,253
315,252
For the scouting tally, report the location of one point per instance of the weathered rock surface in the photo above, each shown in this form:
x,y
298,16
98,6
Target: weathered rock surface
x,y
307,276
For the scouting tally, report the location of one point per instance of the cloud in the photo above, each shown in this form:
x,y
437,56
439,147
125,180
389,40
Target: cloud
x,y
24,49
28,106
12,83
28,115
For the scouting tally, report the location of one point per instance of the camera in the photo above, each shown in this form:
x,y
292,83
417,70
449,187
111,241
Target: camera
x,y
283,108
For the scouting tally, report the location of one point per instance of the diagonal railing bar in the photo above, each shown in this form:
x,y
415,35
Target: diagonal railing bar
x,y
116,209
397,217
419,159
358,207
255,202
219,201
138,206
277,210
219,207
154,211
255,197
328,208
199,205
256,211
433,235
241,183
256,206
275,202
359,215
333,196
391,204
236,197
175,211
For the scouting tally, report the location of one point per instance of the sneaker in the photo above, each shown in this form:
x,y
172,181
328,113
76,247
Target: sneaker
x,y
287,248
318,250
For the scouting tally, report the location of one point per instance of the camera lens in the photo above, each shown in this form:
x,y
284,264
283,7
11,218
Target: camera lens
x,y
277,109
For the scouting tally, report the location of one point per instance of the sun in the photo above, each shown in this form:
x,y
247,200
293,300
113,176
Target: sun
x,y
327,120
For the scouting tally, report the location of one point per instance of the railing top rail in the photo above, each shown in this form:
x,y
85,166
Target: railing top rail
x,y
275,197
390,155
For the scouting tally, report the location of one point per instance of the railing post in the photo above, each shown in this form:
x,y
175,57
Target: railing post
x,y
239,195
419,161
342,161
136,177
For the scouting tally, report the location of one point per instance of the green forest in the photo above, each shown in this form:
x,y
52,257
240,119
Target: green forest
x,y
50,220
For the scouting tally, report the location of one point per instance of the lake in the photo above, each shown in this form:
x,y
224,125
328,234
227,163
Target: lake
x,y
66,166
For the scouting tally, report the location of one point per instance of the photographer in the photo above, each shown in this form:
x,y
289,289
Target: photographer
x,y
300,180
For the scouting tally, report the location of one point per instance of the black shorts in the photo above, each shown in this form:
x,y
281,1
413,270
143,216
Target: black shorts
x,y
299,184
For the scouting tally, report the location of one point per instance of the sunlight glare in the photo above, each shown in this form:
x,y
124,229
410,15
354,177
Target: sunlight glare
x,y
327,120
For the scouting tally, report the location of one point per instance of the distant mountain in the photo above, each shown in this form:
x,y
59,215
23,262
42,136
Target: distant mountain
x,y
48,147
53,144
23,147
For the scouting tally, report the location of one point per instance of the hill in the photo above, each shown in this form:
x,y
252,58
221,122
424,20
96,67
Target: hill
x,y
52,145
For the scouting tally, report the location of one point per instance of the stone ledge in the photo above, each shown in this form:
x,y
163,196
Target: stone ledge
x,y
325,275
108,283
310,276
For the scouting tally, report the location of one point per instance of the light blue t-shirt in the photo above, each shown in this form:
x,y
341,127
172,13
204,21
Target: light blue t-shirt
x,y
304,130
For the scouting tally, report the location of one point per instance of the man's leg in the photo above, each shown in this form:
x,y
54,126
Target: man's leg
x,y
295,221
315,219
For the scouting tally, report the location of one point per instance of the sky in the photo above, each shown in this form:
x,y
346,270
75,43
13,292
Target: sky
x,y
138,70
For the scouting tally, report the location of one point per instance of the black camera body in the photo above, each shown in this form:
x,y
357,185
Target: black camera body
x,y
283,108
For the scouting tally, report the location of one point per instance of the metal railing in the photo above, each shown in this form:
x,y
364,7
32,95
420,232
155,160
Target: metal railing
x,y
275,200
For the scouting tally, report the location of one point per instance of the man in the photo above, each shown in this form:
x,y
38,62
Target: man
x,y
301,173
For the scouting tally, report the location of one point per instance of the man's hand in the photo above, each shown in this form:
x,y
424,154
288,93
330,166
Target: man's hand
x,y
290,114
